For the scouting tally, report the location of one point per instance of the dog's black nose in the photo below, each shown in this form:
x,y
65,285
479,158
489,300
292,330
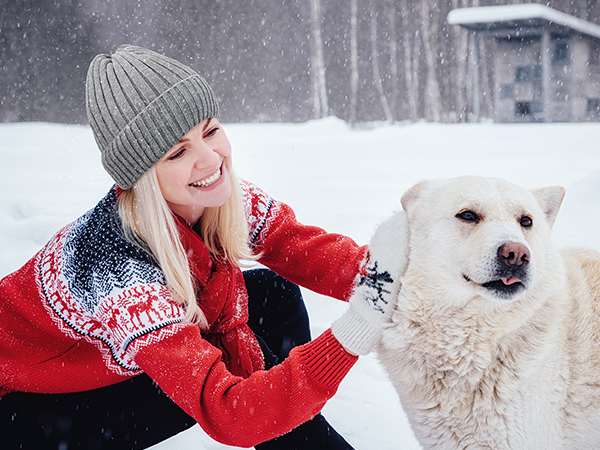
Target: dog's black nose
x,y
513,254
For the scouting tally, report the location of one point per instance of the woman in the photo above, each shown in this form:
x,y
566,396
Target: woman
x,y
143,295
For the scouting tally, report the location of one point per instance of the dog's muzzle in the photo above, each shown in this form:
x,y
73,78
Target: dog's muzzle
x,y
511,271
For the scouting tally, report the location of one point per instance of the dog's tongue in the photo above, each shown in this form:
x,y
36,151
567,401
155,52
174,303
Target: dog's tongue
x,y
511,280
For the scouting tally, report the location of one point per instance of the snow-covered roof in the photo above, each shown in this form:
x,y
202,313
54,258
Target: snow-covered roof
x,y
512,17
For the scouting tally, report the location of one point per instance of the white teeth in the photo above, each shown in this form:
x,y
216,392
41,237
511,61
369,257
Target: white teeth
x,y
208,181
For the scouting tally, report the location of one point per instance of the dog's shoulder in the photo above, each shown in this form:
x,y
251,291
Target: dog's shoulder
x,y
583,270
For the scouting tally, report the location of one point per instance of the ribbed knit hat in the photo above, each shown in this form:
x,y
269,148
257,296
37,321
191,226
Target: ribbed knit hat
x,y
139,105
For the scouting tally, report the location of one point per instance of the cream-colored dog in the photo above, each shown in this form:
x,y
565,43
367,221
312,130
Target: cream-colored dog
x,y
495,341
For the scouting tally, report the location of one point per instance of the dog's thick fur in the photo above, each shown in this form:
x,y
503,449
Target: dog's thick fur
x,y
495,340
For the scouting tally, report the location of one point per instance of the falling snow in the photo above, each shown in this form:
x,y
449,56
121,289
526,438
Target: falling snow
x,y
343,179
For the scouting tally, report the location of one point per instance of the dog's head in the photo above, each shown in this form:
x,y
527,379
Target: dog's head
x,y
485,237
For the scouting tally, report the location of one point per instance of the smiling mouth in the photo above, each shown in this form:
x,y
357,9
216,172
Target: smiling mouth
x,y
208,181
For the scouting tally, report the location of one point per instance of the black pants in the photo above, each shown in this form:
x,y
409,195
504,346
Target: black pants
x,y
279,319
136,414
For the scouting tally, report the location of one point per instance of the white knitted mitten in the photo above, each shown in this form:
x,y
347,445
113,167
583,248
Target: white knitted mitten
x,y
360,329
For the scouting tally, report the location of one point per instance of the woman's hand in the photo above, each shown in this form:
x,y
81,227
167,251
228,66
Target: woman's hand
x,y
359,330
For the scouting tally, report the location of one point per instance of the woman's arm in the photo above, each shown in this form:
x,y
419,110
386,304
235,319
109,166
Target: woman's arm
x,y
324,262
238,411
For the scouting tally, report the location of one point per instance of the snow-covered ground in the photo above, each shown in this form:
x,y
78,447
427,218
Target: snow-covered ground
x,y
345,180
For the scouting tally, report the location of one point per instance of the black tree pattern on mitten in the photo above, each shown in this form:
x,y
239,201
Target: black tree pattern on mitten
x,y
375,282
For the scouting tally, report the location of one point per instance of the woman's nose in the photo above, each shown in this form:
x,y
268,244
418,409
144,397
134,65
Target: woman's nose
x,y
205,155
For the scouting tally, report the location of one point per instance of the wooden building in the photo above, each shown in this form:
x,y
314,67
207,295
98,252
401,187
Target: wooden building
x,y
546,62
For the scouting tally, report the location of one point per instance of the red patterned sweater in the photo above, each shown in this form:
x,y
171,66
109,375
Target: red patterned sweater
x,y
90,310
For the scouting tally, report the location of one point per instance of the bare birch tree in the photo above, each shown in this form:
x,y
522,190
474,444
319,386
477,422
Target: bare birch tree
x,y
487,100
410,63
460,37
375,67
317,63
433,97
353,60
390,7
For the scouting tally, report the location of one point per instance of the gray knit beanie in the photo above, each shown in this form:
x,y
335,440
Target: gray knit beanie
x,y
139,105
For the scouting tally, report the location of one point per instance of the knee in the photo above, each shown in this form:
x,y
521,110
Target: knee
x,y
273,297
268,284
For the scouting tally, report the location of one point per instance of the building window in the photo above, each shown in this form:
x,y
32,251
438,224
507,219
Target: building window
x,y
523,73
593,107
523,109
507,91
561,52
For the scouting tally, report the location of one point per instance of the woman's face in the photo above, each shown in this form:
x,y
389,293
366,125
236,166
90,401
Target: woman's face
x,y
195,173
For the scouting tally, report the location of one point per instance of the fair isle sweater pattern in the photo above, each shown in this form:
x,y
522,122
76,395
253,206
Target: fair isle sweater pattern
x,y
260,209
99,286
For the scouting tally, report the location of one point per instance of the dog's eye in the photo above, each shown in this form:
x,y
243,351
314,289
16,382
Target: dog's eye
x,y
526,222
468,216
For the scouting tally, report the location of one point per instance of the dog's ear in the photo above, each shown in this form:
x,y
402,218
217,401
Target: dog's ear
x,y
550,198
412,195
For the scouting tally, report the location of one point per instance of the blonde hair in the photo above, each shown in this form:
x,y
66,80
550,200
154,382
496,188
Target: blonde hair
x,y
149,223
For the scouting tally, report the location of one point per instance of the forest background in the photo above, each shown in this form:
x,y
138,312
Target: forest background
x,y
267,60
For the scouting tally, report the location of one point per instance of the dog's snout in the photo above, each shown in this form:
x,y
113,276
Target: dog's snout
x,y
513,254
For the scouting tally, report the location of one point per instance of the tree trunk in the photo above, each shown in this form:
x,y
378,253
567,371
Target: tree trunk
x,y
487,98
433,96
375,64
476,79
317,63
460,71
353,59
391,12
410,65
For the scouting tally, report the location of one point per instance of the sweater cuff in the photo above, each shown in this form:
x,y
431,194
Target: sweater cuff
x,y
355,333
326,360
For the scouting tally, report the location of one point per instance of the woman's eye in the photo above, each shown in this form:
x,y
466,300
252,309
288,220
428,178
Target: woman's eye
x,y
468,216
211,132
177,154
